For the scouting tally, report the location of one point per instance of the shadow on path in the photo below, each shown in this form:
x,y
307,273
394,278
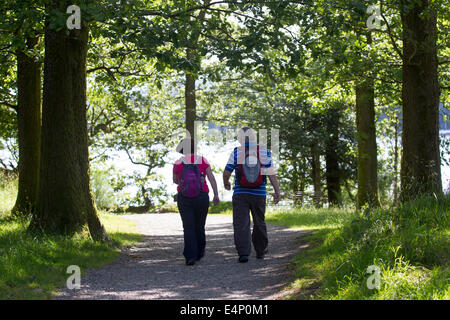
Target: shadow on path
x,y
155,268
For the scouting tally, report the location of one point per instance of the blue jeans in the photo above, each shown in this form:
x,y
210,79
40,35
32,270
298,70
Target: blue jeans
x,y
193,213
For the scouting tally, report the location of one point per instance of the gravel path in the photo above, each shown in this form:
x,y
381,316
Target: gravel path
x,y
155,268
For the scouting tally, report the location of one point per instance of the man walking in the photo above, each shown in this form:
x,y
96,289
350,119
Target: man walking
x,y
252,166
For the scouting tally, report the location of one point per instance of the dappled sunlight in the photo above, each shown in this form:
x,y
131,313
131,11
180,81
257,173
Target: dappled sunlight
x,y
155,268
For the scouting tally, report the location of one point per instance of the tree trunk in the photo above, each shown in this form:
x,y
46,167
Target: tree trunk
x,y
189,92
349,192
367,145
315,166
29,128
395,191
65,203
296,180
332,159
333,174
191,104
421,164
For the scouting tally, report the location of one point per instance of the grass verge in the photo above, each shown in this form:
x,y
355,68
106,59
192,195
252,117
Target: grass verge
x,y
34,268
407,247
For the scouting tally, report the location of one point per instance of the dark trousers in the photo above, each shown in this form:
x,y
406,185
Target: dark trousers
x,y
193,213
242,205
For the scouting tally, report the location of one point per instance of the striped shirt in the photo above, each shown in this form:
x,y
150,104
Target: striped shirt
x,y
266,162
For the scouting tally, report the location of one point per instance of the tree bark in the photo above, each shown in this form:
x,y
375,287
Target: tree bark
x,y
367,145
65,203
189,92
421,164
395,188
29,128
297,181
315,167
190,103
333,174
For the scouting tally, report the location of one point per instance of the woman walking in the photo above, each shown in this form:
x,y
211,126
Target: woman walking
x,y
189,173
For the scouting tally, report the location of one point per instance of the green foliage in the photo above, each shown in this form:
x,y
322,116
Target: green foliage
x,y
35,268
224,207
167,208
103,190
135,118
8,193
310,218
409,244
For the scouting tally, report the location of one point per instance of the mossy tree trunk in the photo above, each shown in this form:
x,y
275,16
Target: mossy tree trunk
x,y
367,145
421,164
65,203
29,127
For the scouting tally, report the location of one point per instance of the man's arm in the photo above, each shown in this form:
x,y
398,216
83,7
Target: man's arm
x,y
274,181
226,179
231,165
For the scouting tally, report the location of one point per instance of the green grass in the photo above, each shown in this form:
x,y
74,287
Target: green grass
x,y
309,218
8,192
35,268
224,207
409,245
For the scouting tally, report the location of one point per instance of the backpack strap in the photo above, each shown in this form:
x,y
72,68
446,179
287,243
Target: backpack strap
x,y
197,160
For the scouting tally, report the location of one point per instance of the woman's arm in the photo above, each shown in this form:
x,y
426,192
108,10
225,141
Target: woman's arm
x,y
212,180
176,180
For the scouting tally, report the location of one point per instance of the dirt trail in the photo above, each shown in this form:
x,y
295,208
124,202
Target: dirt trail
x,y
155,268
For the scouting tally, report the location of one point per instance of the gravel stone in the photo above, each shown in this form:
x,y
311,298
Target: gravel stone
x,y
155,268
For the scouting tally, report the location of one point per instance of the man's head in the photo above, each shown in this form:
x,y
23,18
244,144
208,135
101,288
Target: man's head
x,y
246,134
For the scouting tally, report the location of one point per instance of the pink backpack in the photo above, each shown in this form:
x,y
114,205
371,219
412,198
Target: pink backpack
x,y
192,180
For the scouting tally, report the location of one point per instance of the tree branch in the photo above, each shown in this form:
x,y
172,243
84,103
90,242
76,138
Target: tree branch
x,y
389,32
136,162
206,6
12,106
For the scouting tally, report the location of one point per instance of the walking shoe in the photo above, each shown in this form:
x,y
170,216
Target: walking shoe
x,y
243,259
190,262
261,256
200,256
